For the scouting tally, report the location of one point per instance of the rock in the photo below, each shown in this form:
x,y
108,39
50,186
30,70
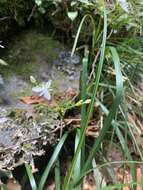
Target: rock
x,y
4,98
65,56
24,136
33,54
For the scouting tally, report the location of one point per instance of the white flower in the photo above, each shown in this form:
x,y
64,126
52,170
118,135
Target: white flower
x,y
124,4
1,46
43,90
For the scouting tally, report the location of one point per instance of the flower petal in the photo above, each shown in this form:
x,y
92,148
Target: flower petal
x,y
37,89
46,94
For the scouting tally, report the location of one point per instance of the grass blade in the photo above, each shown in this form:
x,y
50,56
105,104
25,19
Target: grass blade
x,y
100,181
83,129
83,97
79,30
111,115
52,161
31,177
122,142
116,103
57,176
77,168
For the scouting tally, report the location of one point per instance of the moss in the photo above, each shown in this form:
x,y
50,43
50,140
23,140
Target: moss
x,y
25,92
15,113
27,51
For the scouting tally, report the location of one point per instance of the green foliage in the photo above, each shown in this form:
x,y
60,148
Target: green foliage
x,y
13,12
116,47
120,18
66,15
48,168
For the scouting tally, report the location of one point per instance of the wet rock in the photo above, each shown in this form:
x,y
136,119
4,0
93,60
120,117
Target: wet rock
x,y
65,57
68,68
4,99
1,80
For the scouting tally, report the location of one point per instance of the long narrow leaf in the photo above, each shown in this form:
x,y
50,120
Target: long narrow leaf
x,y
57,176
79,30
70,171
52,161
78,163
31,177
83,97
113,110
122,141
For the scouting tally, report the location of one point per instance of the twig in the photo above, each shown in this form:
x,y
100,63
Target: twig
x,y
93,66
60,127
4,18
32,12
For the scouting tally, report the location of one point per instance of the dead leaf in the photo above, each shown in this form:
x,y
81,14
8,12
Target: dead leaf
x,y
124,176
72,121
13,185
89,183
37,100
50,184
139,178
32,100
71,93
51,187
92,130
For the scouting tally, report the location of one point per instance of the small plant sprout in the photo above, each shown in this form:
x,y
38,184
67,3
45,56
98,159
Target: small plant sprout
x,y
33,80
43,89
3,63
80,102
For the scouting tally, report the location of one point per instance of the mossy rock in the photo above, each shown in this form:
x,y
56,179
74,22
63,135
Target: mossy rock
x,y
27,51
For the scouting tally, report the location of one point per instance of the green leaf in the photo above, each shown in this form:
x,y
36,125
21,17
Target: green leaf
x,y
87,119
42,10
77,168
113,110
52,161
57,175
72,15
31,177
38,2
85,1
2,62
108,121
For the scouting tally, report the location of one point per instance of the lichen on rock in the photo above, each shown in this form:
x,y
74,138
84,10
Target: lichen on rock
x,y
24,133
